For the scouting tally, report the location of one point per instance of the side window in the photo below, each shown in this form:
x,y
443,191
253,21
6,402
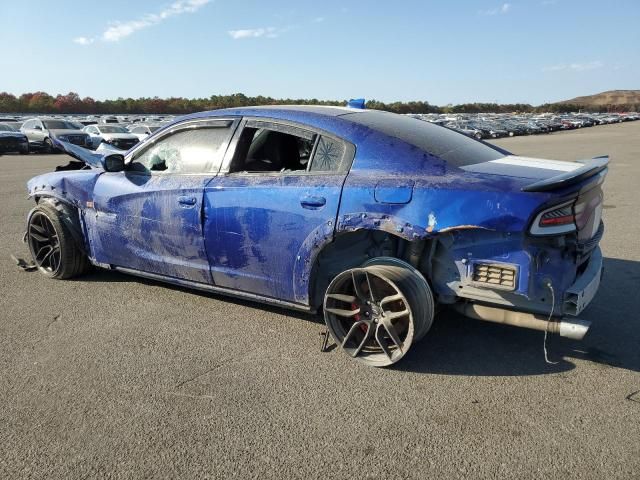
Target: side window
x,y
330,156
29,124
197,150
138,130
269,147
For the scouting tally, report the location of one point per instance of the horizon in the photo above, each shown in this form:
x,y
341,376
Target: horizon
x,y
530,52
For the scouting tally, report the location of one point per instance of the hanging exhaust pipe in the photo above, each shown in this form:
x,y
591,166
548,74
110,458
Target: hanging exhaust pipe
x,y
575,329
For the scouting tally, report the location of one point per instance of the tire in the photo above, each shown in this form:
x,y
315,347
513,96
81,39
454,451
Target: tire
x,y
52,244
47,146
376,312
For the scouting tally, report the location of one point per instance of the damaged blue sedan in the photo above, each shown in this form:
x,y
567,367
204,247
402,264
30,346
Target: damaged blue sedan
x,y
372,218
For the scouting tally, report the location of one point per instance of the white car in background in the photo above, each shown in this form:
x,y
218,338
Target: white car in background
x,y
115,135
143,131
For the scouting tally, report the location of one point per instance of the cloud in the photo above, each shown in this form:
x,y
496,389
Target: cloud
x,y
574,67
268,32
116,31
505,8
83,40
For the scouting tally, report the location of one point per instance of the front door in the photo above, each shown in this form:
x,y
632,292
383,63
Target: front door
x,y
149,217
282,190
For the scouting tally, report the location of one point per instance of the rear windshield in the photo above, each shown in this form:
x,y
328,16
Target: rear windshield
x,y
453,147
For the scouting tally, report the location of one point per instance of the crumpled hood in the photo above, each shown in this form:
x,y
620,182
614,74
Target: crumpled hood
x,y
85,155
524,167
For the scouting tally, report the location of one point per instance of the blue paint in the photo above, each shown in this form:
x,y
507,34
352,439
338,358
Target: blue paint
x,y
262,233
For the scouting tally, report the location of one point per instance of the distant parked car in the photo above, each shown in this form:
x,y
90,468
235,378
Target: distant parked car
x,y
114,135
42,133
108,119
143,131
12,140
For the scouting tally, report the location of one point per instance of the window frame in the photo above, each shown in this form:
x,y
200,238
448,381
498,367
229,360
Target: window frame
x,y
197,124
286,126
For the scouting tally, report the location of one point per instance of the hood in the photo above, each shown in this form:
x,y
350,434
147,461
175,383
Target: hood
x,y
94,160
4,134
57,132
123,136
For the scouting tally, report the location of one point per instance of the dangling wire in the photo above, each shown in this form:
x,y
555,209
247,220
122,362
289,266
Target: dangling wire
x,y
546,330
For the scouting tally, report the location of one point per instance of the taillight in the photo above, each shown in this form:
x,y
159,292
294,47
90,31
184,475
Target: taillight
x,y
556,220
558,216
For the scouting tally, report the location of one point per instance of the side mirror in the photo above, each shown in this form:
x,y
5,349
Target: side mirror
x,y
38,127
113,163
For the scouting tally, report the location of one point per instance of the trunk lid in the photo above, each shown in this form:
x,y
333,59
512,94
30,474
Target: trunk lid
x,y
578,181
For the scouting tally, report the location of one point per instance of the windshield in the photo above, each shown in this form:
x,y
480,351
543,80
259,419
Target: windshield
x,y
112,129
58,125
453,147
7,128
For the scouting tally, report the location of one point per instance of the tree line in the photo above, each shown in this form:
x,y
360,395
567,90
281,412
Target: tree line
x,y
42,102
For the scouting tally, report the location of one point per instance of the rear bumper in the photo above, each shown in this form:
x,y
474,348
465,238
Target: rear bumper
x,y
579,295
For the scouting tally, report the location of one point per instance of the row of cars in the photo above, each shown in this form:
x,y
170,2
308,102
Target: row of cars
x,y
40,133
123,132
488,126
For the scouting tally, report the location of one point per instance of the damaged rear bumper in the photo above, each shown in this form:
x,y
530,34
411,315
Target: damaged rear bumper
x,y
579,295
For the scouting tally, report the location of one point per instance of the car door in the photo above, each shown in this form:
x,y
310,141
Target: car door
x,y
149,217
264,209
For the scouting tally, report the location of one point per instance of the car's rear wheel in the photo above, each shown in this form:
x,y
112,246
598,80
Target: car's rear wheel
x,y
376,312
52,245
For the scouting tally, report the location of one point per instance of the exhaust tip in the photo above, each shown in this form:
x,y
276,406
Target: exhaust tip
x,y
574,329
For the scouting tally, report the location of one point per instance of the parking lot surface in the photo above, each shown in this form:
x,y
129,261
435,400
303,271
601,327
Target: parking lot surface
x,y
114,376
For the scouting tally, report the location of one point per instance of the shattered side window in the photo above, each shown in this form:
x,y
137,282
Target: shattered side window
x,y
330,156
186,151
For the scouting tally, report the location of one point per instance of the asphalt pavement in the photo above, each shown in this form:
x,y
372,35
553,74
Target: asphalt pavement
x,y
110,376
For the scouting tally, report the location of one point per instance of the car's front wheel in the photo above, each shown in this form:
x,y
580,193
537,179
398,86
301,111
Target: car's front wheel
x,y
47,146
52,245
376,312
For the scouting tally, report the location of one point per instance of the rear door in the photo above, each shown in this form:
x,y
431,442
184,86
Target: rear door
x,y
149,217
279,192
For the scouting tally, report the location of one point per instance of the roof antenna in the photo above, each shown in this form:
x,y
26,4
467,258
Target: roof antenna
x,y
357,103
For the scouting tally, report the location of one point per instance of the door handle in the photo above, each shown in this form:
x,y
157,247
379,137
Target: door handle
x,y
313,203
188,201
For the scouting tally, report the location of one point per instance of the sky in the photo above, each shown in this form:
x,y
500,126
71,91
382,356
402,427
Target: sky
x,y
441,51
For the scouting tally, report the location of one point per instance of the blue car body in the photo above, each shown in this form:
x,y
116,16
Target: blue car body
x,y
451,206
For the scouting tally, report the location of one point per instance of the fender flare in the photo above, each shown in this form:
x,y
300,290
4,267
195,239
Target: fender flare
x,y
325,233
74,222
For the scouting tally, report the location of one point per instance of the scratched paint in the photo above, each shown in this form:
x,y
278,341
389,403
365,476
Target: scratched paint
x,y
253,233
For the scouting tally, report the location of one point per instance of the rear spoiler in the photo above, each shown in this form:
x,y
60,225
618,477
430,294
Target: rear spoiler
x,y
589,169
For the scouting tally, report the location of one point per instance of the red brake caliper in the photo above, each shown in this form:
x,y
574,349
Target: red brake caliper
x,y
356,318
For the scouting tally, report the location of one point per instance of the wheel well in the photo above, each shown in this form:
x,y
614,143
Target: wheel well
x,y
70,216
352,249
